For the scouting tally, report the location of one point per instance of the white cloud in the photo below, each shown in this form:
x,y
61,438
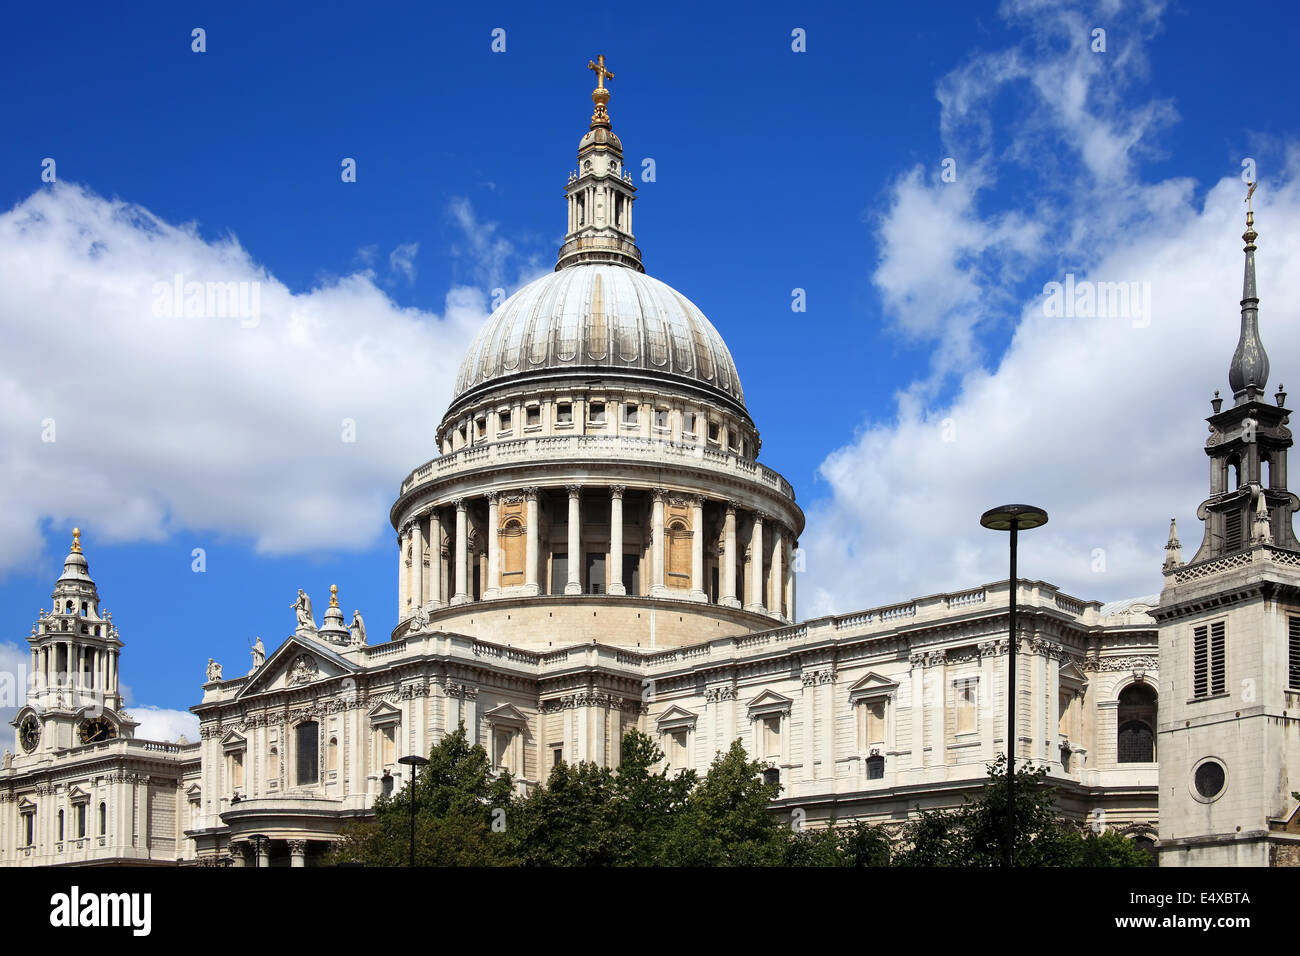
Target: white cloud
x,y
232,424
402,260
14,661
1098,420
158,723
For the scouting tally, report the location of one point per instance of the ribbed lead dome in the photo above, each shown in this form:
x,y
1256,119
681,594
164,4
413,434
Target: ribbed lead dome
x,y
600,317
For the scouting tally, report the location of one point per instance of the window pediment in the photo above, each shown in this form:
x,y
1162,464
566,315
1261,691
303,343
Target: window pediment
x,y
233,741
872,686
506,715
769,702
385,713
675,718
77,795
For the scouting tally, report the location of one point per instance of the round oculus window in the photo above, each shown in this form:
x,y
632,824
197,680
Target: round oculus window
x,y
1209,779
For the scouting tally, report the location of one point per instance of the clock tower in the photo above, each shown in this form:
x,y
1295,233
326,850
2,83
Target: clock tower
x,y
1229,722
72,688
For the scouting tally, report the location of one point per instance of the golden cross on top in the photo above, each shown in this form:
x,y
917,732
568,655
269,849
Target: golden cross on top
x,y
601,73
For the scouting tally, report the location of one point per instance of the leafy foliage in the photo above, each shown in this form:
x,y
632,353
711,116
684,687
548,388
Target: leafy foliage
x,y
642,814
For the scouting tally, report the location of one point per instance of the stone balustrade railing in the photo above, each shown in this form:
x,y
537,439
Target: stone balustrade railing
x,y
614,447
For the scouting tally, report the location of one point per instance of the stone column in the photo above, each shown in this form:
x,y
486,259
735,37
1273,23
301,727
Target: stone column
x,y
756,566
697,549
918,709
462,553
777,584
729,557
403,582
789,580
297,852
435,558
492,585
417,562
574,584
657,588
533,542
616,585
239,852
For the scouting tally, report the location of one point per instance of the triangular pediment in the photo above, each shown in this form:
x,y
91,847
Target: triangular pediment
x,y
1072,674
769,700
297,662
25,805
194,792
385,711
675,716
505,714
77,795
872,685
233,741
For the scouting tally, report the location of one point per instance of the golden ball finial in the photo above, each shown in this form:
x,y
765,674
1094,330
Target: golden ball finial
x,y
334,595
76,541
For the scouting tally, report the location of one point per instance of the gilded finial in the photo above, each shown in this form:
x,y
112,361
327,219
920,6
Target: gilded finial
x,y
76,541
601,73
600,95
334,595
1250,212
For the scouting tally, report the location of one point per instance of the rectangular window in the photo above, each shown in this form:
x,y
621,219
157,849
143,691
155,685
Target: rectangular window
x,y
595,573
713,432
661,419
1209,658
629,414
29,829
559,572
677,750
1293,655
770,737
308,741
81,820
557,755
564,413
533,415
504,418
631,574
874,722
966,692
688,423
596,413
387,744
480,428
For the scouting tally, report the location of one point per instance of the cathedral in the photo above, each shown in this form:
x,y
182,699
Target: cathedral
x,y
595,547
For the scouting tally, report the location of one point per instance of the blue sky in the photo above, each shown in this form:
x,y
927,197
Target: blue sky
x,y
775,170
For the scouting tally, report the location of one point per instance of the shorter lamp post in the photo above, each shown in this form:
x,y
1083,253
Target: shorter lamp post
x,y
1013,518
414,762
256,839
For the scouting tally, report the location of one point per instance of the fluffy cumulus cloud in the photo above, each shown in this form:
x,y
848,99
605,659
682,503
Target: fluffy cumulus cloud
x,y
157,381
1096,415
157,723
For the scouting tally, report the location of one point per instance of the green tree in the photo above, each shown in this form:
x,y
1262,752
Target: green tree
x,y
727,820
973,834
457,799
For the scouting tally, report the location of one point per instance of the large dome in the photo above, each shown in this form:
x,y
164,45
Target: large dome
x,y
599,317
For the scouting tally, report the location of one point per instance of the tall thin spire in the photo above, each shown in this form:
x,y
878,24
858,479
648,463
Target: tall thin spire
x,y
1248,373
1173,549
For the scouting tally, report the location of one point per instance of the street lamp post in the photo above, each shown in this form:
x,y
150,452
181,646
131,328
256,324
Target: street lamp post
x,y
1012,518
256,839
414,762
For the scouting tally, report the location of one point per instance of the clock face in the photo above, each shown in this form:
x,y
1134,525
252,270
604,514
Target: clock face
x,y
29,733
96,729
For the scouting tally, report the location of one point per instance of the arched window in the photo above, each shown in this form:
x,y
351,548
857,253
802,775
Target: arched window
x,y
60,828
103,818
332,755
1136,741
876,767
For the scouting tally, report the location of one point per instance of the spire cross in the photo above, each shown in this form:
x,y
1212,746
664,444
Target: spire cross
x,y
598,66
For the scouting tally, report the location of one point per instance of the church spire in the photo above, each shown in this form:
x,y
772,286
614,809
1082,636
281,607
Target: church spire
x,y
600,192
1173,549
1248,373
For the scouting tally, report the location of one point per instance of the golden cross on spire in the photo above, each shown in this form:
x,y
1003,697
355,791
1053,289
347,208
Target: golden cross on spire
x,y
602,74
